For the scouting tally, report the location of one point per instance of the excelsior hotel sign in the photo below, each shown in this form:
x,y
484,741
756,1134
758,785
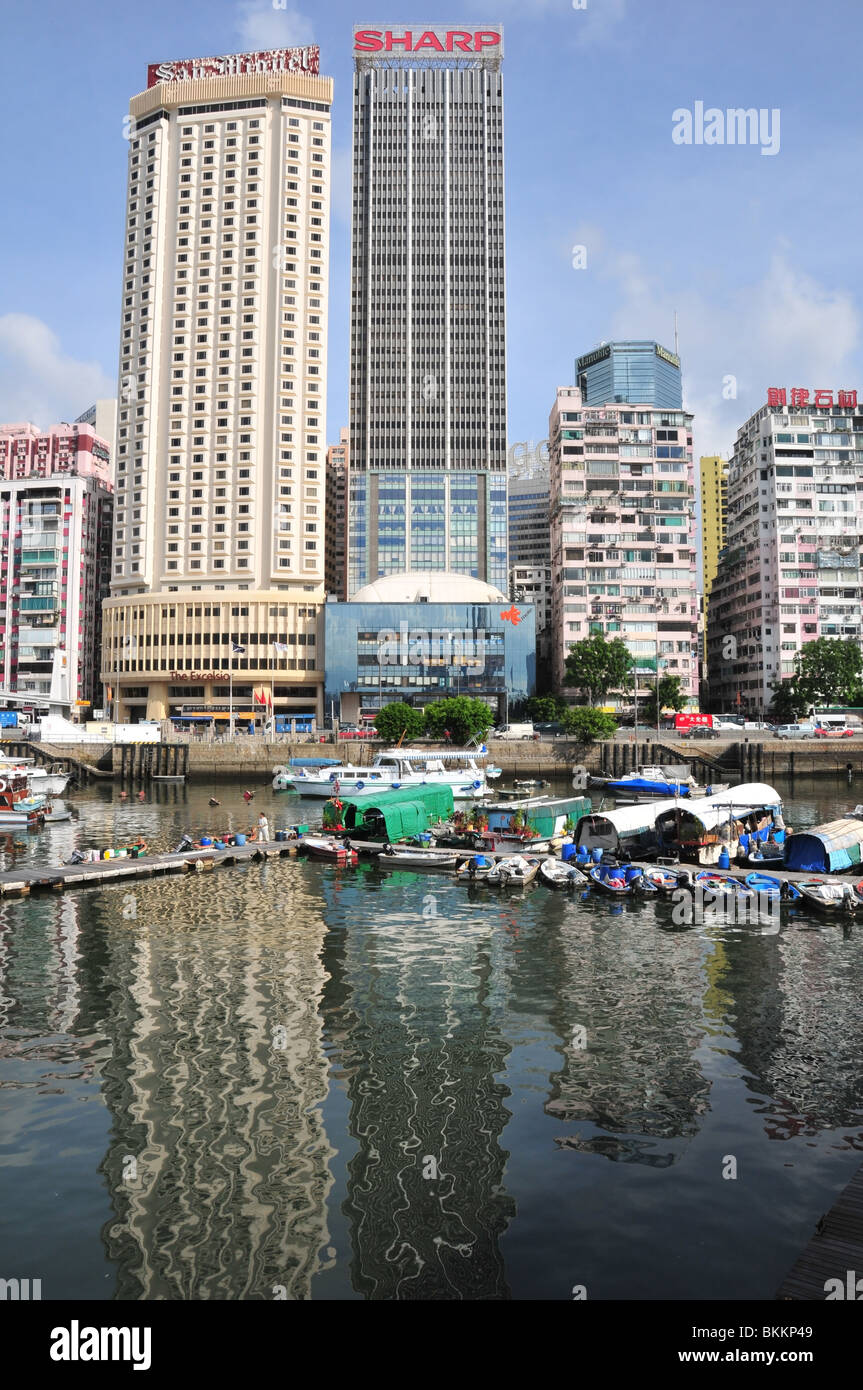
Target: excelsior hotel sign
x,y
438,39
305,60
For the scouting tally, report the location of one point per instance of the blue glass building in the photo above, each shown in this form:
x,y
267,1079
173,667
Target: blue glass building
x,y
643,373
384,649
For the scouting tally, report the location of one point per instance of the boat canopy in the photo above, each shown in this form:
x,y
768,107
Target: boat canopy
x,y
705,815
826,848
398,815
426,754
544,814
315,762
631,827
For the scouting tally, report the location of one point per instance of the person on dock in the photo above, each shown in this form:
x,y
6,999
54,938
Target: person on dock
x,y
263,827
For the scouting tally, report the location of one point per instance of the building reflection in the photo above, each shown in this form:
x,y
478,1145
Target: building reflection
x,y
413,1008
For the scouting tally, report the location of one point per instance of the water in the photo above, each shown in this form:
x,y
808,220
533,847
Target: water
x,y
292,1080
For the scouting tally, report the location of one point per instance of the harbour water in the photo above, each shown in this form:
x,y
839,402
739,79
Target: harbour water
x,y
290,1080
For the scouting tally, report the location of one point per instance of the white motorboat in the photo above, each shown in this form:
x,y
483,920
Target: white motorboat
x,y
461,769
41,780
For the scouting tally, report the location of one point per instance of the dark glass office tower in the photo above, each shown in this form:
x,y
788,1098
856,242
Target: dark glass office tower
x,y
643,373
428,367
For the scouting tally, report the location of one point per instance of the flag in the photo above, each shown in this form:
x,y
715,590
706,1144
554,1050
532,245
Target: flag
x,y
238,649
270,701
281,648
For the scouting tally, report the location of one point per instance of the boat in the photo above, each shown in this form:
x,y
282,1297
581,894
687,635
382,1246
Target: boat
x,y
825,896
826,849
717,885
283,778
475,869
56,812
530,822
765,853
19,808
620,880
628,833
559,873
423,859
514,872
402,814
698,830
530,782
398,768
329,848
768,886
667,880
42,781
653,781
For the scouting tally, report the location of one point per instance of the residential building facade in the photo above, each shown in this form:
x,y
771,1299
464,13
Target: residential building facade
x,y
56,511
428,365
790,569
335,557
222,382
623,532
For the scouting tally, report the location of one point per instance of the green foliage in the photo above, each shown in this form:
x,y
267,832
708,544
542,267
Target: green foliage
x,y
462,715
596,666
670,697
394,720
787,702
544,709
828,672
586,724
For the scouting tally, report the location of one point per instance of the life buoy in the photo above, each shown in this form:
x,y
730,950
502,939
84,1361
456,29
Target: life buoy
x,y
396,786
333,777
477,784
359,786
2,784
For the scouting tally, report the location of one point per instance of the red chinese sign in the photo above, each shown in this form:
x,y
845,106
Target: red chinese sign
x,y
305,60
800,398
693,721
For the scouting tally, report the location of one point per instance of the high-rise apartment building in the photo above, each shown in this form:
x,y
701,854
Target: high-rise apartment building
x,y
630,371
335,560
529,532
623,532
219,537
714,505
56,508
428,366
790,570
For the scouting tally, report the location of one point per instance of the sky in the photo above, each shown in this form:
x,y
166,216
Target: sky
x,y
612,226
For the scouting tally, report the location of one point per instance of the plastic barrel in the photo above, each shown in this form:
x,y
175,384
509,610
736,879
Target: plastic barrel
x,y
239,839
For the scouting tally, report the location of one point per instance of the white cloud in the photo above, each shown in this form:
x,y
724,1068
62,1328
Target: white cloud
x,y
786,329
38,381
592,21
260,25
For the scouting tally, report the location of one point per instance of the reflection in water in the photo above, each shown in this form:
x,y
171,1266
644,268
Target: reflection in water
x,y
415,1004
218,1077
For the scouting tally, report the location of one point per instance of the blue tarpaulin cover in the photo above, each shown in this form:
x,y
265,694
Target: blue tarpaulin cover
x,y
826,848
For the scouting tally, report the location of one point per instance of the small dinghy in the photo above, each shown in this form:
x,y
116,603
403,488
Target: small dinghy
x,y
830,897
765,854
530,782
394,858
719,885
514,872
768,886
336,851
476,869
667,880
620,880
560,874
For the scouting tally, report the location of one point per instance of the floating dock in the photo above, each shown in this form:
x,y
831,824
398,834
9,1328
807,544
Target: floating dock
x,y
19,883
835,1252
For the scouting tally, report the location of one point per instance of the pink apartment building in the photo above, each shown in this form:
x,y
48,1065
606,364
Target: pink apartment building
x,y
790,569
56,511
623,533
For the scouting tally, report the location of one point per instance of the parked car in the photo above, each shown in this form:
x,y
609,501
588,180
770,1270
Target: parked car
x,y
548,730
702,731
795,731
357,731
514,731
754,724
822,731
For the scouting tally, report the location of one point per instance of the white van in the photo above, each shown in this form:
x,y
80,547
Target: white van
x,y
795,731
514,731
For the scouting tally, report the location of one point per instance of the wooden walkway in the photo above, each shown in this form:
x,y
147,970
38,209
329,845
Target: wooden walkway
x,y
834,1252
21,882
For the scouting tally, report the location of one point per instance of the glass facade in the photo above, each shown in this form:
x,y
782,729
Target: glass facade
x,y
643,373
420,652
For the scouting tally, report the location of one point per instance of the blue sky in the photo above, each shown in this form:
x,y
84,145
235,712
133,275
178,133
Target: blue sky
x,y
760,255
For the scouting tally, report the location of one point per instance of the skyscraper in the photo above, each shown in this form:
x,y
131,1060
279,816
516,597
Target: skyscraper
x,y
222,400
636,372
428,369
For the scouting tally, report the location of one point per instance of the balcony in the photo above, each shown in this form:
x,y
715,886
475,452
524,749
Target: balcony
x,y
40,557
39,603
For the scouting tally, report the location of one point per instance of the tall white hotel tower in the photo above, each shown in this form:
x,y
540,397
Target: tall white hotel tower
x,y
220,469
428,367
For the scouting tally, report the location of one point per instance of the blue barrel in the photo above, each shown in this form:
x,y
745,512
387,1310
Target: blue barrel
x,y
724,861
206,840
568,852
281,835
239,839
596,855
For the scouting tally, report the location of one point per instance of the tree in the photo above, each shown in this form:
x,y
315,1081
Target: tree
x,y
544,709
787,702
399,719
595,666
670,697
586,724
829,671
462,715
